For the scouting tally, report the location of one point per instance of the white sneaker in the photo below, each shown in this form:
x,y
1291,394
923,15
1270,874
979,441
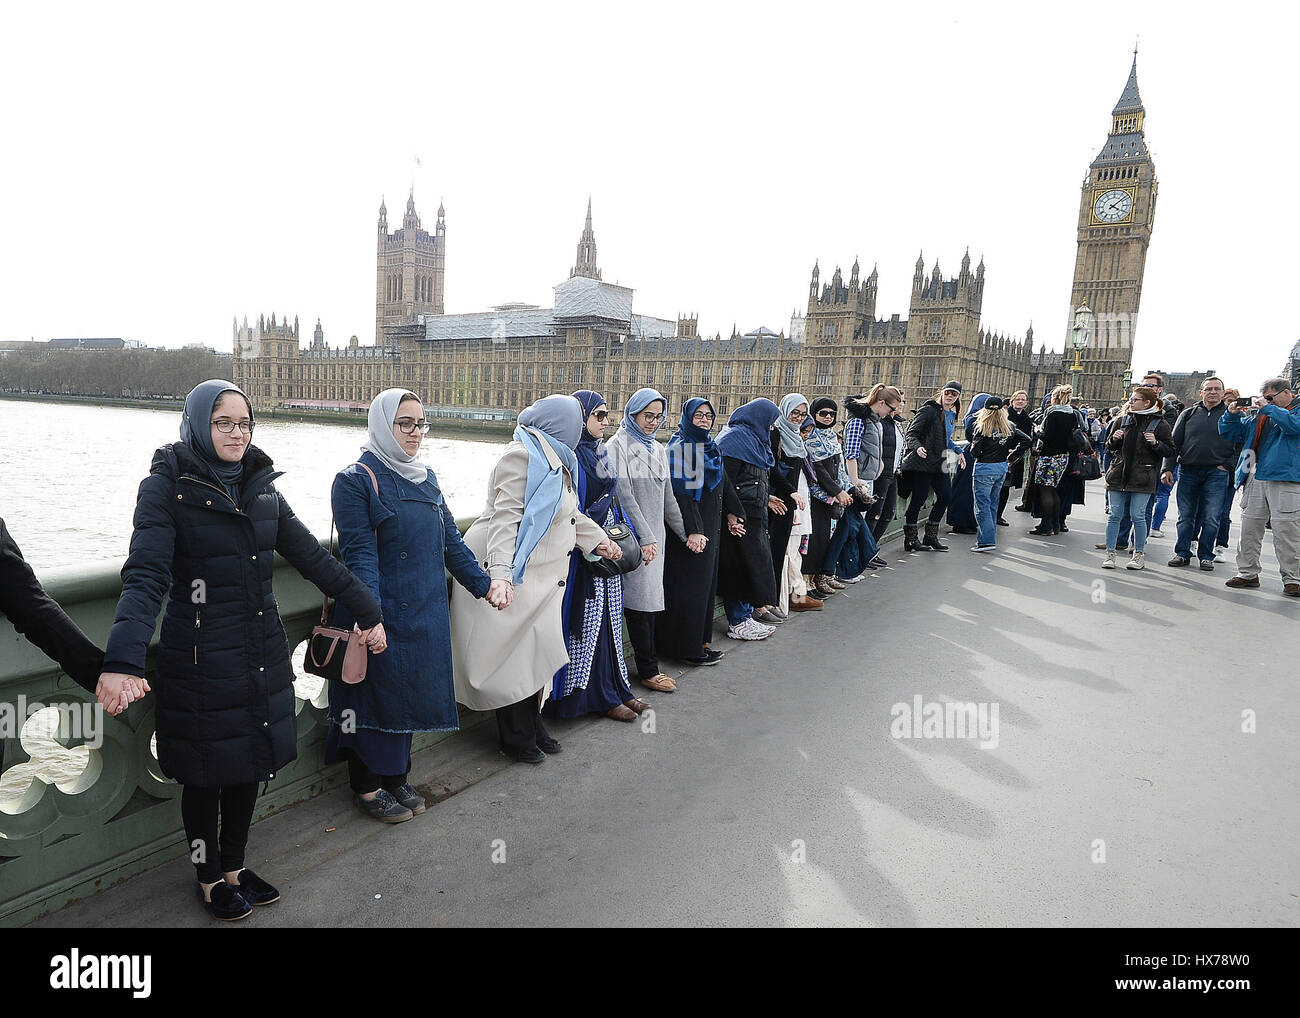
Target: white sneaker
x,y
1157,533
751,630
1138,561
850,579
1109,561
1220,555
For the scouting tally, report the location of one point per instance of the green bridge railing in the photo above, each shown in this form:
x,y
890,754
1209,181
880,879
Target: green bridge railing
x,y
67,830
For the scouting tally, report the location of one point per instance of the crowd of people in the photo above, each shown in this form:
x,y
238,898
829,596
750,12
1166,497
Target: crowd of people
x,y
581,538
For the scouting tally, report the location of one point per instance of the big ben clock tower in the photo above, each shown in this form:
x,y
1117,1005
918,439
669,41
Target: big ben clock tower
x,y
1116,213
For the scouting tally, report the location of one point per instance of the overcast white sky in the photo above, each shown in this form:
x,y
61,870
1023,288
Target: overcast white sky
x,y
167,168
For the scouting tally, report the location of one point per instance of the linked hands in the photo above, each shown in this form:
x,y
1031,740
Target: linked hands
x,y
696,543
609,549
500,594
115,691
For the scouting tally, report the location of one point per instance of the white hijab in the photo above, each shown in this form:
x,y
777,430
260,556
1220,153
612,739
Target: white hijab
x,y
381,442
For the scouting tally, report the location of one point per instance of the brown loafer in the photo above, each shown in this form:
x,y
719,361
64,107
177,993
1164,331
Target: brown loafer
x,y
1243,581
660,683
805,604
1291,589
621,713
636,705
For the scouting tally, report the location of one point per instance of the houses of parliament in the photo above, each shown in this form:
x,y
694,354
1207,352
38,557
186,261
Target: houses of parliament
x,y
493,363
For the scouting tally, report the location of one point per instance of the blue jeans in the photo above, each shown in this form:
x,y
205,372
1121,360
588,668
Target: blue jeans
x,y
843,529
737,612
1161,504
858,549
1225,518
1125,505
1126,521
987,478
1200,501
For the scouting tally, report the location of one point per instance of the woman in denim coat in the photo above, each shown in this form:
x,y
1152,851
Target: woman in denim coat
x,y
397,540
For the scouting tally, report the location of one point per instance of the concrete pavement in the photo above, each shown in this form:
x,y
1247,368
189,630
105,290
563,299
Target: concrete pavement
x,y
1122,789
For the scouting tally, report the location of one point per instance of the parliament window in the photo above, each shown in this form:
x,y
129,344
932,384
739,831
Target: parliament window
x,y
823,374
668,375
768,368
649,374
686,374
726,374
789,376
706,373
746,373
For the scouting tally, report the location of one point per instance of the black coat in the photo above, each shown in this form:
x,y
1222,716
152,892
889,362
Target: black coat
x,y
745,570
223,680
927,429
1135,463
37,616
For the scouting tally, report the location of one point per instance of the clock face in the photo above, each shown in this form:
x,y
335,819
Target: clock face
x,y
1113,205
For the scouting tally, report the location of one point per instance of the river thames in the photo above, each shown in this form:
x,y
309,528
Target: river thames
x,y
69,473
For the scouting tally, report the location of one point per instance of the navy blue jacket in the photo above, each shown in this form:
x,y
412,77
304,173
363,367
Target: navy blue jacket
x,y
398,544
223,679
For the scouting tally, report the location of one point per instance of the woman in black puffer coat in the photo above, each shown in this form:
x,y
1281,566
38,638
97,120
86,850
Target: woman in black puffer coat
x,y
208,522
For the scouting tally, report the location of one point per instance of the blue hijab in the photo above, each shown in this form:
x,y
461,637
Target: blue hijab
x,y
196,432
976,405
641,399
693,457
745,437
559,421
596,479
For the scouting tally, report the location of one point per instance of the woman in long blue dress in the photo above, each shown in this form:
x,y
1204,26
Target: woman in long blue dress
x,y
595,679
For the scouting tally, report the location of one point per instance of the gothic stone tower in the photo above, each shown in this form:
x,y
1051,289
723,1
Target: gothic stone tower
x,y
585,263
838,331
1116,212
409,270
943,328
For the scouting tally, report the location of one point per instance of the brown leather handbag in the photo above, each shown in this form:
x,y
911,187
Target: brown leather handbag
x,y
332,653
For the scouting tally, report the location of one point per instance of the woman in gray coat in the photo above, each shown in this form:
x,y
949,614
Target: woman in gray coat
x,y
645,492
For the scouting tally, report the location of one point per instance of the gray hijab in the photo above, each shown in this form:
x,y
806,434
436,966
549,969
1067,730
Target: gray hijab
x,y
381,442
559,417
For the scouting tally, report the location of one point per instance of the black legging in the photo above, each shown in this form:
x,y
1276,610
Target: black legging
x,y
1049,507
199,809
886,492
1002,501
641,631
923,482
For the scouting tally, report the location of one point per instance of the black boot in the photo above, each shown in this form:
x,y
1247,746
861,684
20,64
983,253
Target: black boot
x,y
932,537
910,541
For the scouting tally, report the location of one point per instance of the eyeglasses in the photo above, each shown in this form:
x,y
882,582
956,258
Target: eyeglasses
x,y
798,415
893,406
702,415
600,415
407,426
227,427
825,413
650,416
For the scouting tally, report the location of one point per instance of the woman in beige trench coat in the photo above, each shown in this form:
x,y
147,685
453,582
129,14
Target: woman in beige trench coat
x,y
505,661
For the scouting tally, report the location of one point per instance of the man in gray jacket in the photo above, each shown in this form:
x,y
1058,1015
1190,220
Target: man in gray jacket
x,y
1206,459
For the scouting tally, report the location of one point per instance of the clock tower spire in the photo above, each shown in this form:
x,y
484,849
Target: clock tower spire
x,y
1116,213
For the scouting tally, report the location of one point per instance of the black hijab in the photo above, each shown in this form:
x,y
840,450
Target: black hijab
x,y
196,432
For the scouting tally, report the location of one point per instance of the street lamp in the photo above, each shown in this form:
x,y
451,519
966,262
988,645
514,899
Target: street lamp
x,y
1082,332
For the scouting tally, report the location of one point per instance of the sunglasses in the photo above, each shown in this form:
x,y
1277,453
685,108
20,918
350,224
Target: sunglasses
x,y
600,415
